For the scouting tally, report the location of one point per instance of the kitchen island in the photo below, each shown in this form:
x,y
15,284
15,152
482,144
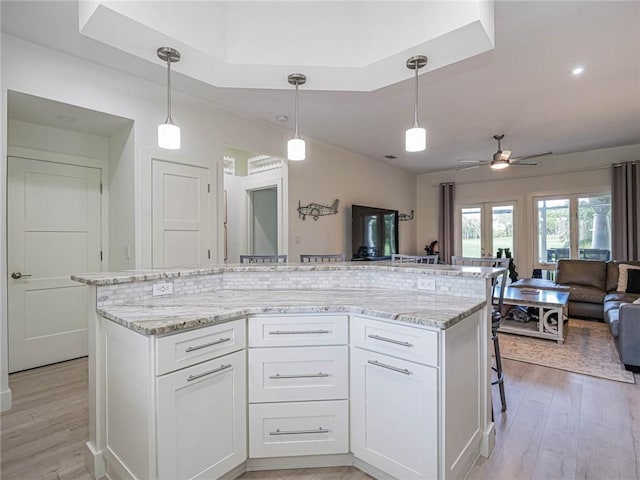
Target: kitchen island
x,y
385,367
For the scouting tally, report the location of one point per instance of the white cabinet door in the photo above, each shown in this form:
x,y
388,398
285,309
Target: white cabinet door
x,y
394,415
201,419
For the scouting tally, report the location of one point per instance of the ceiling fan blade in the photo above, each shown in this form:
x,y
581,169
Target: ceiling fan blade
x,y
474,161
467,168
513,162
535,155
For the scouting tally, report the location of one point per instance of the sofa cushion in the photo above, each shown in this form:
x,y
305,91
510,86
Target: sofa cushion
x,y
579,293
587,273
633,281
613,273
637,301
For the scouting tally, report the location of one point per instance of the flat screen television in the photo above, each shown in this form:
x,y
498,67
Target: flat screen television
x,y
374,232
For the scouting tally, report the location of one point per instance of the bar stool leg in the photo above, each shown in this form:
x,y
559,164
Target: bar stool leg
x,y
498,368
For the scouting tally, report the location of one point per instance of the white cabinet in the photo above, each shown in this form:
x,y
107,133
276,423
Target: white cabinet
x,y
394,415
189,423
298,385
201,419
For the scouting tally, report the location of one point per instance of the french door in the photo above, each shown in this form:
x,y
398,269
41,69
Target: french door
x,y
483,228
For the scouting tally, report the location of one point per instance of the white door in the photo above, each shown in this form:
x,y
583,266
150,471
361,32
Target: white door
x,y
53,231
263,229
202,419
394,415
486,227
181,215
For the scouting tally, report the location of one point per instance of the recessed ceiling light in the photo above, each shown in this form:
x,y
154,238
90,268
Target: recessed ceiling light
x,y
577,71
282,118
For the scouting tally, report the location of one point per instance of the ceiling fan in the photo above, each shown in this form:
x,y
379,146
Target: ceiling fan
x,y
502,158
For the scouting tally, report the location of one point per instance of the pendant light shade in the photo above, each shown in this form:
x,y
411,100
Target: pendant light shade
x,y
296,149
168,132
416,137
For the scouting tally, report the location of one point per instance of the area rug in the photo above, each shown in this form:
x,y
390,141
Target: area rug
x,y
588,349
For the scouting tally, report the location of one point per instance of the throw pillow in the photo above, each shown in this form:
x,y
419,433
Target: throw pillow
x,y
623,268
637,301
633,281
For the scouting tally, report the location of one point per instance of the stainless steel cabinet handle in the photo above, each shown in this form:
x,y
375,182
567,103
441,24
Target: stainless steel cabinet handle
x,y
302,375
215,370
298,432
217,342
391,340
297,332
18,275
395,369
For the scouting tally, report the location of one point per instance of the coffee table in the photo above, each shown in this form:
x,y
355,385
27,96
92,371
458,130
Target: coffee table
x,y
548,302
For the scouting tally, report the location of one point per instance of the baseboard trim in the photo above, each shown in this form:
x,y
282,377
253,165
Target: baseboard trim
x,y
5,400
94,461
371,470
488,440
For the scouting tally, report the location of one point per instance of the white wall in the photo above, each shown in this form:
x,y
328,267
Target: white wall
x,y
328,173
581,172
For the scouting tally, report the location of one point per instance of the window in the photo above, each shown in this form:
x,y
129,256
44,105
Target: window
x,y
576,226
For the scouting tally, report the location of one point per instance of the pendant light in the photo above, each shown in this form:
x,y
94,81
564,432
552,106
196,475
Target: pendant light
x,y
296,146
416,137
168,133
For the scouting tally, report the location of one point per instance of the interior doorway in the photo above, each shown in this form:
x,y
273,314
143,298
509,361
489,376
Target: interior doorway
x,y
256,198
263,221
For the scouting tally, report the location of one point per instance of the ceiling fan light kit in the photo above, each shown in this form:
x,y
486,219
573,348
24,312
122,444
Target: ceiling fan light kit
x,y
168,132
502,158
296,149
416,137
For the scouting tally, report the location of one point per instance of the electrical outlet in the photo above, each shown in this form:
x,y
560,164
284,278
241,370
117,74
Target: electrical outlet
x,y
427,284
162,289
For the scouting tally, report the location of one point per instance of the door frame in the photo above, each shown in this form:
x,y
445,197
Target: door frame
x,y
487,225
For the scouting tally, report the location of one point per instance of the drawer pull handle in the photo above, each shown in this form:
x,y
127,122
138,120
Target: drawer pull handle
x,y
391,340
297,332
215,370
298,432
395,369
217,342
302,375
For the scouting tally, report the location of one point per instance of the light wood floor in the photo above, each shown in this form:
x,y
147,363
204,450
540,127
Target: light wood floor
x,y
559,425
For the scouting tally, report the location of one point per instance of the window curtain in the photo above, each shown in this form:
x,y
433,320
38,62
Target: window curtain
x,y
446,241
625,205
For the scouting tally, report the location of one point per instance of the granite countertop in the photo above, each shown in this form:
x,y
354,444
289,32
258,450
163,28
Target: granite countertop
x,y
129,276
166,315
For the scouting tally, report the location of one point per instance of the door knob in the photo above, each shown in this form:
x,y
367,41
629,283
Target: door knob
x,y
18,275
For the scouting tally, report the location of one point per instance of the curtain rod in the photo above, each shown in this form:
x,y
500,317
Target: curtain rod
x,y
577,170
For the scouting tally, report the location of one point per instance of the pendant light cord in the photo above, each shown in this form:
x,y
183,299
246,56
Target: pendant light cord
x,y
169,120
415,110
296,132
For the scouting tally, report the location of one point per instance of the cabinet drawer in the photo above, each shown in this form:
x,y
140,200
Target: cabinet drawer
x,y
410,343
184,349
282,331
298,373
290,429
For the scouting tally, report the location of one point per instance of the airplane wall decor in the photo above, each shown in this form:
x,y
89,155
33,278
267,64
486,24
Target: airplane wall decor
x,y
317,210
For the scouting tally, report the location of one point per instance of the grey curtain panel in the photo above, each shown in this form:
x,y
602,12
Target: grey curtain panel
x,y
446,240
625,211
